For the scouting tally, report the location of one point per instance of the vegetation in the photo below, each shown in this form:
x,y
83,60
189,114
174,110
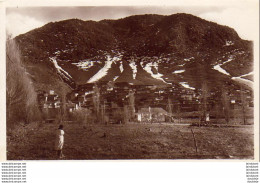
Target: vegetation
x,y
21,98
83,116
96,102
226,104
131,98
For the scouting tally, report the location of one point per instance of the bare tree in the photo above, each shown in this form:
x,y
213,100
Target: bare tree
x,y
131,98
178,111
126,114
104,117
169,109
21,98
118,114
96,101
204,101
63,112
243,103
226,104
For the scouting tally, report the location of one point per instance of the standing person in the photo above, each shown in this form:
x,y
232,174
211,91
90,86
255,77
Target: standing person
x,y
59,141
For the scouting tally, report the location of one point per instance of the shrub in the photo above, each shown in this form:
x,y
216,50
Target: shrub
x,y
82,115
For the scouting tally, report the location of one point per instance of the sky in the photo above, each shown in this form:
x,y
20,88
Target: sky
x,y
20,20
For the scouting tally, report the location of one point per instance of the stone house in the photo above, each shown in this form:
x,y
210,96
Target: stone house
x,y
151,114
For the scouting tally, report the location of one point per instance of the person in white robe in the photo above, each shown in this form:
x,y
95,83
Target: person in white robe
x,y
59,141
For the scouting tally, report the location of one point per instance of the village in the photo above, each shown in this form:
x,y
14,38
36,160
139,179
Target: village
x,y
130,83
109,102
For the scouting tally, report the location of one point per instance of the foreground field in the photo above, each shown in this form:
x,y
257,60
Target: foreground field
x,y
132,141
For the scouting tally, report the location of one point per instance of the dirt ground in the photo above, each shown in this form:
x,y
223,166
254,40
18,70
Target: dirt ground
x,y
132,141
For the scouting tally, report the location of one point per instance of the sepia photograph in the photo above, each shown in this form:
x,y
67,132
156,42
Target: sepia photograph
x,y
129,83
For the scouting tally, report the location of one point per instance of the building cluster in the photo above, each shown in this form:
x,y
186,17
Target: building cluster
x,y
148,102
49,104
48,100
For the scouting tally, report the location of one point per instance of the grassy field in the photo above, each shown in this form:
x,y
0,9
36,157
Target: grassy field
x,y
131,141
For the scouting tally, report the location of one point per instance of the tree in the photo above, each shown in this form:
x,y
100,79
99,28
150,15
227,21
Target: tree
x,y
126,114
226,104
169,109
118,114
21,98
62,92
96,101
131,98
178,110
243,103
104,117
204,101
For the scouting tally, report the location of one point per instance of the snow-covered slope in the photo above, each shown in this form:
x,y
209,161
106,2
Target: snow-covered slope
x,y
178,49
59,69
104,71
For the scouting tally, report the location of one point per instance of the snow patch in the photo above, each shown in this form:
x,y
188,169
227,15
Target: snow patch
x,y
59,69
185,84
85,64
66,51
223,71
57,52
148,68
178,71
250,73
181,65
121,67
229,43
115,78
103,72
134,68
188,59
230,58
142,64
220,69
88,93
244,81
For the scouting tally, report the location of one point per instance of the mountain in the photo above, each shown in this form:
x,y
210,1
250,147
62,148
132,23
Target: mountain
x,y
157,50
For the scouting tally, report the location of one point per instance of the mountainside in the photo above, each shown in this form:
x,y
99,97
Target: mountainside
x,y
143,49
